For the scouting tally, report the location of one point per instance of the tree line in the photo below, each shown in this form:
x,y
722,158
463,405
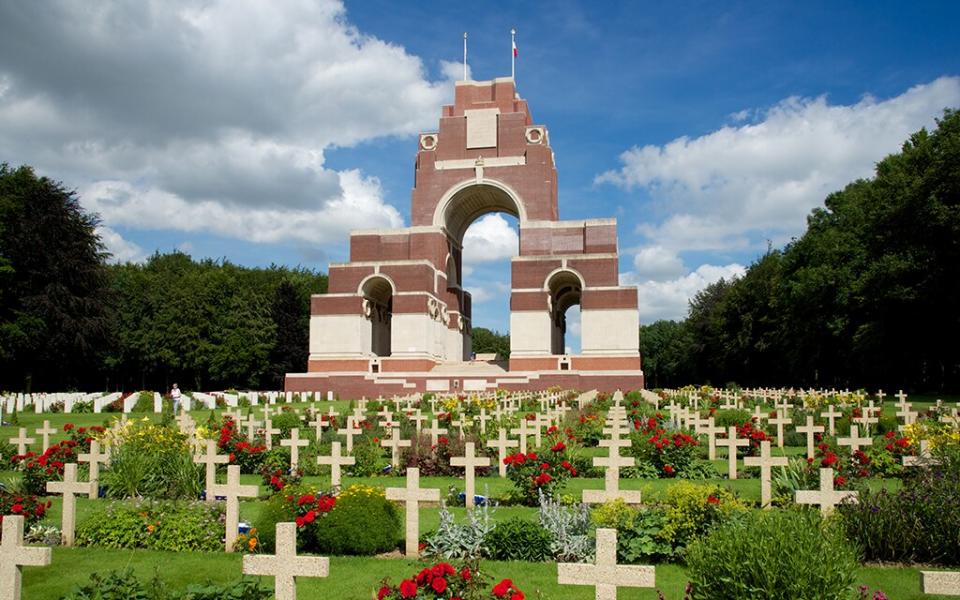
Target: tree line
x,y
866,297
71,320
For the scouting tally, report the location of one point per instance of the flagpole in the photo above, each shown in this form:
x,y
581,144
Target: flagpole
x,y
464,55
513,58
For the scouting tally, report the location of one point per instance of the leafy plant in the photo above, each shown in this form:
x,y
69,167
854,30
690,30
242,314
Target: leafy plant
x,y
569,529
772,555
918,523
519,539
157,525
363,522
460,541
124,585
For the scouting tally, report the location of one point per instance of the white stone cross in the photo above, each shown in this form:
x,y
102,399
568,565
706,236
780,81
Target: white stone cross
x,y
901,397
412,495
470,461
69,487
831,415
731,442
523,431
395,443
185,423
867,417
46,431
285,566
435,432
350,430
826,497
780,420
418,418
22,441
335,460
711,431
923,458
611,477
483,417
294,443
855,441
210,460
13,555
810,429
318,423
765,461
945,583
233,491
606,575
268,432
501,444
252,425
94,457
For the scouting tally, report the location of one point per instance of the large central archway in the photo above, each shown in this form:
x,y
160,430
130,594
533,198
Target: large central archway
x,y
465,203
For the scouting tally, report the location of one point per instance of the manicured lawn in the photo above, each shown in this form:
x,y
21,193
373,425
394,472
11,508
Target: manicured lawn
x,y
357,578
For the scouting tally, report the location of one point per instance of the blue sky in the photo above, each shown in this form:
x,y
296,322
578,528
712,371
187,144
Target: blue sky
x,y
263,133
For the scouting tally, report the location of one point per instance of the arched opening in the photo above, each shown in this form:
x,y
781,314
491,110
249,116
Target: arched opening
x,y
482,222
565,288
377,294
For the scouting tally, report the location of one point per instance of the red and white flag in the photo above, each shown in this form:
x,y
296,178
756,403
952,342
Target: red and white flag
x,y
514,42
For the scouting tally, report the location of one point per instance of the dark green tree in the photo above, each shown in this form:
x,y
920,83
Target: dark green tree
x,y
53,286
484,340
291,323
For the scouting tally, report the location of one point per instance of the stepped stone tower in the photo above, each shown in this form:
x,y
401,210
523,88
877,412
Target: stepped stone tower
x,y
396,318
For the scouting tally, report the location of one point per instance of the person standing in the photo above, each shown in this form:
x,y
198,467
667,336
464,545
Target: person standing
x,y
175,396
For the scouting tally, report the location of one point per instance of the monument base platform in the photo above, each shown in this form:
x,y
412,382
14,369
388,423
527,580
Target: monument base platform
x,y
358,384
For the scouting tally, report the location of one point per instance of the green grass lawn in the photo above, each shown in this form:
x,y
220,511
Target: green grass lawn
x,y
357,578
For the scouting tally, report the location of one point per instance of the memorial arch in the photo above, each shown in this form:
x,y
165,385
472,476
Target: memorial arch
x,y
397,318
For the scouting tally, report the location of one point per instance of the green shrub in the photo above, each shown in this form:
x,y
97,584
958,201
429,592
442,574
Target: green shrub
x,y
693,509
285,421
362,523
369,455
918,523
638,531
773,555
157,525
124,585
731,417
519,539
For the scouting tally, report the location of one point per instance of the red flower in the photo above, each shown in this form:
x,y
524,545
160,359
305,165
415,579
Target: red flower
x,y
500,590
439,585
443,440
408,588
713,500
68,427
465,574
889,435
668,469
839,480
544,466
16,509
384,591
558,447
518,595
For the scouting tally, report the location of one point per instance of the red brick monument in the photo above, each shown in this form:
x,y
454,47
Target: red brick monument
x,y
396,319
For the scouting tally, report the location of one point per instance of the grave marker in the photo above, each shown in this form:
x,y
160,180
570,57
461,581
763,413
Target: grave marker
x,y
501,444
294,443
94,457
606,575
335,460
826,497
810,429
69,488
13,555
470,461
412,495
210,460
22,441
395,443
731,442
45,432
233,491
285,566
765,461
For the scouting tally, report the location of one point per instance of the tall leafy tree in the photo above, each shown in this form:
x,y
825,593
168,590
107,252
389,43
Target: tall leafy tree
x,y
53,285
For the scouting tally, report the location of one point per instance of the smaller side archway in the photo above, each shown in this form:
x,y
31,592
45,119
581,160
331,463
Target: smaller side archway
x,y
377,292
565,289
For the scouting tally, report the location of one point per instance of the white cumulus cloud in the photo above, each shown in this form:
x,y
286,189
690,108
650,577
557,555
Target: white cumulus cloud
x,y
210,116
745,184
490,239
657,263
120,249
669,299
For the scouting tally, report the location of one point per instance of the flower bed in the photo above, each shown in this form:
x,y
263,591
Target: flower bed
x,y
442,582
